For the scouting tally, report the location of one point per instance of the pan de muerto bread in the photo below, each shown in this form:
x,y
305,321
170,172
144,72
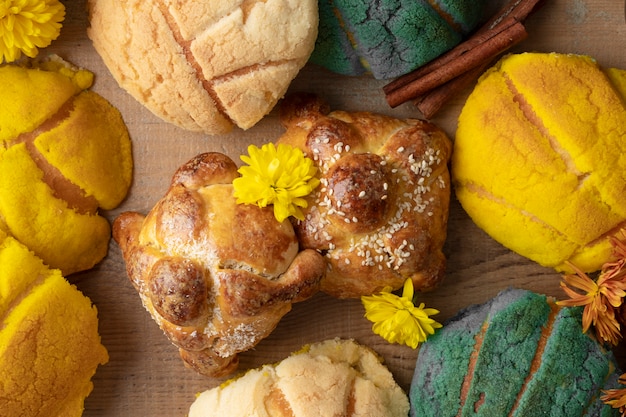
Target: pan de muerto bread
x,y
216,276
380,213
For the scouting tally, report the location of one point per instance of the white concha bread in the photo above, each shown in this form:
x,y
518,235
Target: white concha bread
x,y
331,378
205,65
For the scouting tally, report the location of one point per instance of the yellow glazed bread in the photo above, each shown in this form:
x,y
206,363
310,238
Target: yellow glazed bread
x,y
380,213
65,154
49,342
216,276
330,378
205,65
540,156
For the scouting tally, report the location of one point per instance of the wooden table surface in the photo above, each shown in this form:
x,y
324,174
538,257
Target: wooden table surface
x,y
145,376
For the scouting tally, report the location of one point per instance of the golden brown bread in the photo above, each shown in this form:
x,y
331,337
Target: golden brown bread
x,y
380,213
215,275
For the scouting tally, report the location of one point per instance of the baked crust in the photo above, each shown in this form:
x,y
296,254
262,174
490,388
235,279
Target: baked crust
x,y
204,65
335,377
380,213
216,276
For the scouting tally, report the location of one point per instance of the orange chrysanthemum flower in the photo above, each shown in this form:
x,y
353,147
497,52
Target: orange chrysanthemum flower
x,y
616,398
617,268
601,298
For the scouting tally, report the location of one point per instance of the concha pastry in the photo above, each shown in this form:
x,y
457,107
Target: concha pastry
x,y
65,153
538,159
50,347
519,354
390,38
205,65
329,378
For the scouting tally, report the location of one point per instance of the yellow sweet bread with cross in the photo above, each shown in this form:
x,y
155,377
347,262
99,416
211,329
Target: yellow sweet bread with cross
x,y
50,347
540,155
65,154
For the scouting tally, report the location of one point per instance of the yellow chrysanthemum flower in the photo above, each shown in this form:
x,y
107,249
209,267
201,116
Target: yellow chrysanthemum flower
x,y
397,319
281,176
26,25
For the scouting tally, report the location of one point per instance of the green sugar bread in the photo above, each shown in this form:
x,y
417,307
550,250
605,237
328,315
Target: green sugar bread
x,y
517,355
392,37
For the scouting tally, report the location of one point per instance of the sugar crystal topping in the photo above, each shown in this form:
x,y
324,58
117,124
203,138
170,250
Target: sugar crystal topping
x,y
375,249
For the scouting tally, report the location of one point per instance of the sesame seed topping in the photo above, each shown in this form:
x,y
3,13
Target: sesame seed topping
x,y
379,249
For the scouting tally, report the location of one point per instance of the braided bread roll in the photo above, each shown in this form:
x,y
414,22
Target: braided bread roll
x,y
215,275
380,213
330,378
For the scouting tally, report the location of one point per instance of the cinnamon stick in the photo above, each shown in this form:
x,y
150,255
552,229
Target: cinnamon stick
x,y
483,47
430,101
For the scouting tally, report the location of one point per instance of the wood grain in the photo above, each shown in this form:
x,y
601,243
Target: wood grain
x,y
144,375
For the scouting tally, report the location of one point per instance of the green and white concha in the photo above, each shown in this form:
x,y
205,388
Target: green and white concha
x,y
517,355
389,38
